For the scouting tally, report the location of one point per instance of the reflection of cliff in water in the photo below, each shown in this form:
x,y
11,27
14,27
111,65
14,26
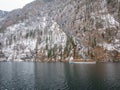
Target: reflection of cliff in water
x,y
91,77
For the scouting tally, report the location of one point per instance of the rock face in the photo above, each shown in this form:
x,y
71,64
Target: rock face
x,y
3,14
55,30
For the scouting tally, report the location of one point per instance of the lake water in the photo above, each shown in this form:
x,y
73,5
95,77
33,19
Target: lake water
x,y
59,76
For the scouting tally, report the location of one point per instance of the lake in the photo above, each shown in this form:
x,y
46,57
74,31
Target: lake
x,y
59,76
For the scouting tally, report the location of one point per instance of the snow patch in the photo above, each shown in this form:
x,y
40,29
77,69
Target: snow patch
x,y
109,21
19,40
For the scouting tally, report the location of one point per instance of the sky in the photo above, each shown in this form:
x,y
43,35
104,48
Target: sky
x,y
8,5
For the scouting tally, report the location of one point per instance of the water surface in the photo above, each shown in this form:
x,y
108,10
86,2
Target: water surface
x,y
59,76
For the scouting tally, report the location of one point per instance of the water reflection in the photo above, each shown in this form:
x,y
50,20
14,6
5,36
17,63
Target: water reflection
x,y
108,76
49,76
78,76
59,76
14,75
93,77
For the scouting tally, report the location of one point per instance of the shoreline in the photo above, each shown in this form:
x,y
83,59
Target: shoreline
x,y
63,61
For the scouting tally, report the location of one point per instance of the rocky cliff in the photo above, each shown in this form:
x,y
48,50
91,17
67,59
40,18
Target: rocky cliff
x,y
55,30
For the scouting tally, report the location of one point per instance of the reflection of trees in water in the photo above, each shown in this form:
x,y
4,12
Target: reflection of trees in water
x,y
49,76
82,77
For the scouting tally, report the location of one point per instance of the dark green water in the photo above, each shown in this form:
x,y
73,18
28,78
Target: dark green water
x,y
59,76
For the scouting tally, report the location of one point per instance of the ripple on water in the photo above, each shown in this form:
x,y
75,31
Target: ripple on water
x,y
58,76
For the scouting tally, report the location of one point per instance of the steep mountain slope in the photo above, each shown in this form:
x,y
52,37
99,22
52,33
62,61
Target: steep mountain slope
x,y
55,30
3,13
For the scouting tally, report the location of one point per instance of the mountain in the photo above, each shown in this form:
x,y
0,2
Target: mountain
x,y
55,30
3,13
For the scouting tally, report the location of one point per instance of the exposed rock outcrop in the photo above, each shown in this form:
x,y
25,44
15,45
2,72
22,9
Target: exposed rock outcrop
x,y
55,30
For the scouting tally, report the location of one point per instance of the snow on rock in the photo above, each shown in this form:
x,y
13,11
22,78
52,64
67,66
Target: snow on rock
x,y
109,21
110,47
19,41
